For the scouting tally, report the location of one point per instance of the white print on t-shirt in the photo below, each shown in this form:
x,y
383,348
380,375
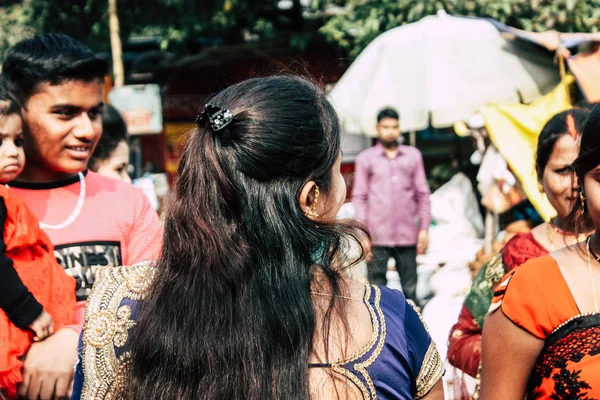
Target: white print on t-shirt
x,y
81,260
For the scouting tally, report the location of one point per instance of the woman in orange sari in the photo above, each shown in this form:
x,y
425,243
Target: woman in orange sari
x,y
541,339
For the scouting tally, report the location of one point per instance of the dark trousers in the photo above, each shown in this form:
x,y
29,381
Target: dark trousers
x,y
406,265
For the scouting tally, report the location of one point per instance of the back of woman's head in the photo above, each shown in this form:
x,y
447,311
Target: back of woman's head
x,y
588,159
569,122
284,132
231,315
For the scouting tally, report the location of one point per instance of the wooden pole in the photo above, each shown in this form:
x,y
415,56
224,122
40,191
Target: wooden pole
x,y
489,232
115,44
412,138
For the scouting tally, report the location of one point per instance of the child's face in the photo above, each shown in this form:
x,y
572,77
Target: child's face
x,y
12,156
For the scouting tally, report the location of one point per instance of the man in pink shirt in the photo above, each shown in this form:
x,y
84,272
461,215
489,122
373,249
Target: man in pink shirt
x,y
391,197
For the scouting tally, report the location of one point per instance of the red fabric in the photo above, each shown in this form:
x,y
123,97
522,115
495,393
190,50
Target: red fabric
x,y
520,249
464,347
32,254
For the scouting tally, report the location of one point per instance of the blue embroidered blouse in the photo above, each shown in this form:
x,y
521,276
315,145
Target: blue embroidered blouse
x,y
400,361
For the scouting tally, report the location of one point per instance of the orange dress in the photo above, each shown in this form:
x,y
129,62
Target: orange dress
x,y
33,259
536,297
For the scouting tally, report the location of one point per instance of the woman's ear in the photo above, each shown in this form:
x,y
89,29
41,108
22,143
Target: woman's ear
x,y
307,199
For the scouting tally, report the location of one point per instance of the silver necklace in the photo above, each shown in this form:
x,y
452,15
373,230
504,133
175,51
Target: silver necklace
x,y
71,218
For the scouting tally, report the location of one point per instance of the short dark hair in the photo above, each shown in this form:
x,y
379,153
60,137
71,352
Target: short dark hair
x,y
52,58
9,103
387,113
114,131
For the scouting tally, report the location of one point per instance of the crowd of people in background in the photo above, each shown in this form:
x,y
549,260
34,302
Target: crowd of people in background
x,y
245,292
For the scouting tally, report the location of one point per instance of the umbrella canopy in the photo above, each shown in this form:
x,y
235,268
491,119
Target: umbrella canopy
x,y
438,71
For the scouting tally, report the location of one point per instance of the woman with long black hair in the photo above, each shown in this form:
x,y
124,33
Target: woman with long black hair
x,y
250,299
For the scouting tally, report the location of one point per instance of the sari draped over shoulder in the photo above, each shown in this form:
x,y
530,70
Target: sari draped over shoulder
x,y
464,349
537,298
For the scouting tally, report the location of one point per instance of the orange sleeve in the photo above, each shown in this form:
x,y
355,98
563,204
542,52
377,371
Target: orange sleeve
x,y
535,297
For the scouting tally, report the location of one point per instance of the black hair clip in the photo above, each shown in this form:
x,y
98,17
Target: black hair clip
x,y
217,117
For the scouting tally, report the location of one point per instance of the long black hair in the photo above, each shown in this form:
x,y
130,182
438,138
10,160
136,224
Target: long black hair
x,y
588,159
231,315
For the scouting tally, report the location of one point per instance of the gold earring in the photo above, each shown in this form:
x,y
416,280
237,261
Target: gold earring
x,y
582,199
541,188
315,201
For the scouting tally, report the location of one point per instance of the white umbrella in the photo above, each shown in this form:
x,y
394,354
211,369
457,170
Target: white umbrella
x,y
438,71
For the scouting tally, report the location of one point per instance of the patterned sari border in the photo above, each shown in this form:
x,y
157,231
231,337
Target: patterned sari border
x,y
106,327
432,368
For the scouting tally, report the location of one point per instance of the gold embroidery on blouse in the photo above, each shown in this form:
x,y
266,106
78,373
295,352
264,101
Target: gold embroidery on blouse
x,y
432,368
106,327
362,367
338,365
361,386
374,334
377,338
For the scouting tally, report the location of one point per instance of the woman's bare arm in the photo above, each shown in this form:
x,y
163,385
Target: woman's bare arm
x,y
509,354
437,393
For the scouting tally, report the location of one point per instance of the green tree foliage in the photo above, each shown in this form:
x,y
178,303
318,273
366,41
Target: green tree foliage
x,y
177,22
360,21
181,24
14,24
185,25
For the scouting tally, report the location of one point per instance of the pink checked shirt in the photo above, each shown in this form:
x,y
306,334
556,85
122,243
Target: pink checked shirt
x,y
391,196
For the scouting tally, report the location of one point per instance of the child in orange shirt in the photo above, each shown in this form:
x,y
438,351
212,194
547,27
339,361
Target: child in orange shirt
x,y
36,295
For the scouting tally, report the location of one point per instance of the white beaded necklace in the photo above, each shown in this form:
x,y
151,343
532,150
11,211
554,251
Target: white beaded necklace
x,y
71,218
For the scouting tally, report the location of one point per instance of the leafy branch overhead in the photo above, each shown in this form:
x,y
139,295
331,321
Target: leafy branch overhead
x,y
181,24
358,22
187,25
